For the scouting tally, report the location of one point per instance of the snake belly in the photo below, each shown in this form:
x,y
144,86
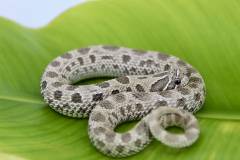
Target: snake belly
x,y
157,89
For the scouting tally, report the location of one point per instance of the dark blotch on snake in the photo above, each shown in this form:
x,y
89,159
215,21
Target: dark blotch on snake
x,y
115,66
183,90
129,89
141,128
103,66
181,102
120,148
167,67
73,64
44,85
92,58
145,71
204,90
99,130
123,80
110,48
55,63
57,95
108,152
133,69
76,98
71,87
126,137
197,96
51,74
138,51
138,143
129,108
139,107
142,63
84,50
122,111
139,88
162,56
160,103
193,85
186,118
143,96
119,97
171,138
86,69
98,97
192,125
115,91
110,136
177,118
68,68
191,109
104,85
110,120
126,71
98,117
166,93
107,57
181,63
67,56
150,62
130,152
49,100
100,143
106,104
114,115
190,70
195,80
126,58
80,60
151,72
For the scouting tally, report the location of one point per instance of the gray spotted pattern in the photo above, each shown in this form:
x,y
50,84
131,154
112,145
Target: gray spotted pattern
x,y
157,89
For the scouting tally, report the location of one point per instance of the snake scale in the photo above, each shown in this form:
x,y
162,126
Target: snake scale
x,y
159,90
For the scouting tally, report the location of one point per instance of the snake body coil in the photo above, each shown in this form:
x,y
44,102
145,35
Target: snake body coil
x,y
159,90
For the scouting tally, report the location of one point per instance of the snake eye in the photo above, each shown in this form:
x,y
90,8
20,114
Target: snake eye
x,y
177,81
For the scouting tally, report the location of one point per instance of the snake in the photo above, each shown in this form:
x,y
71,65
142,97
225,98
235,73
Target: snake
x,y
156,89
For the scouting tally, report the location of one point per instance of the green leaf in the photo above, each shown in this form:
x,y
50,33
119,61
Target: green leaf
x,y
205,33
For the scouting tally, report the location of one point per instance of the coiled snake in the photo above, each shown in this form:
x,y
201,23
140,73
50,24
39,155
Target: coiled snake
x,y
159,90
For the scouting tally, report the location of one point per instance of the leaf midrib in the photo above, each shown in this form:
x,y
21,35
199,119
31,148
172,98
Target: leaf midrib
x,y
21,99
205,115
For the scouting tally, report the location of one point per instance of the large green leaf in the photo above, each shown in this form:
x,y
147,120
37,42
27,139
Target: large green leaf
x,y
205,33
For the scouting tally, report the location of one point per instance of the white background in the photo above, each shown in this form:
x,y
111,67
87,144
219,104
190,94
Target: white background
x,y
34,13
